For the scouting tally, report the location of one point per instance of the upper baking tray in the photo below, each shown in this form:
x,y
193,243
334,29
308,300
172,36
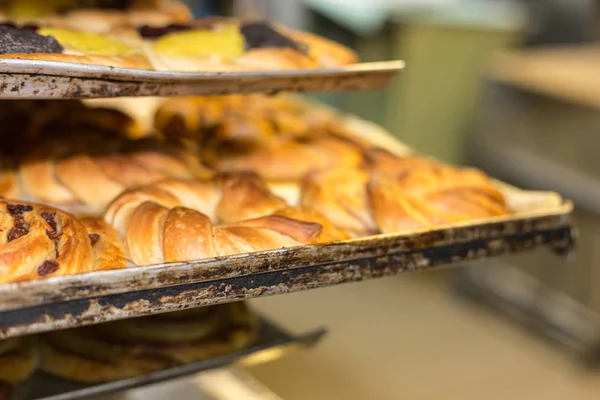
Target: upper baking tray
x,y
32,79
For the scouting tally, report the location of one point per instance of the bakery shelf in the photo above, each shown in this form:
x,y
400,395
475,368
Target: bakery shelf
x,y
272,343
68,301
26,79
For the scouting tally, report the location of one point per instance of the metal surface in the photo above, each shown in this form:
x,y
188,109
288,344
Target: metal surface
x,y
61,302
27,79
270,339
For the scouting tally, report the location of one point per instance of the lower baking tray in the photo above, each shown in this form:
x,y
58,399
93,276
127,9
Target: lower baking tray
x,y
27,79
538,219
272,343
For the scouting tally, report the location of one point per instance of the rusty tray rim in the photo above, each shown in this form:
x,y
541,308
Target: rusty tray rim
x,y
102,283
64,69
33,79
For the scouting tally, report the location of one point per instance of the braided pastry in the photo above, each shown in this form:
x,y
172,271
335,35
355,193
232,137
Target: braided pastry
x,y
124,349
188,220
40,241
397,194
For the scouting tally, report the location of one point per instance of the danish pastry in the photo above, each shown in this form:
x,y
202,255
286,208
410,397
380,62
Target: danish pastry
x,y
396,194
39,241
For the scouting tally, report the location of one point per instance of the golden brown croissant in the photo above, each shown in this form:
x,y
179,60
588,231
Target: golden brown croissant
x,y
129,348
168,222
399,194
40,241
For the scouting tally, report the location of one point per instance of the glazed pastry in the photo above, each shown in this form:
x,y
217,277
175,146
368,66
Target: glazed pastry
x,y
288,160
189,220
83,172
223,199
129,348
40,241
398,194
107,247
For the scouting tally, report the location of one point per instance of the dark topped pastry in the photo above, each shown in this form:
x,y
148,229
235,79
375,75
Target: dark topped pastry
x,y
262,34
147,31
25,41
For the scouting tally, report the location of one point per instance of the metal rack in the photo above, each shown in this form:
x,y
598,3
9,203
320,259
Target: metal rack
x,y
70,301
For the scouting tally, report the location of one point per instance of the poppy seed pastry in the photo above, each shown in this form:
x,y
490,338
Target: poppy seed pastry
x,y
14,40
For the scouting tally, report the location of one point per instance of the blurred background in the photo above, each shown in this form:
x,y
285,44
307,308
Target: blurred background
x,y
512,87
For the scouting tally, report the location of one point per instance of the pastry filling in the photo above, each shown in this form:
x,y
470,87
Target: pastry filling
x,y
87,42
15,40
20,227
94,238
48,267
224,41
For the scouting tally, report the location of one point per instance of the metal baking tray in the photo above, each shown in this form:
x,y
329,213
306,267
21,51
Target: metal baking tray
x,y
68,301
31,79
272,343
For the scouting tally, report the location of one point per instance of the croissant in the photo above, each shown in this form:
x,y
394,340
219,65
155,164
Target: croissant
x,y
40,241
129,348
188,220
397,194
85,183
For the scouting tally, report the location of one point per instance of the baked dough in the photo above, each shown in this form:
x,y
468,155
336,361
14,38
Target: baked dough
x,y
175,221
393,194
125,349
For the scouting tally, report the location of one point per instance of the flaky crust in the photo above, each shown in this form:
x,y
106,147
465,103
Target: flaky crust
x,y
109,252
137,61
327,53
86,183
275,58
395,194
175,221
40,241
289,160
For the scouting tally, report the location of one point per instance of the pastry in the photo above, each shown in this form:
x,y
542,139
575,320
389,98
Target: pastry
x,y
71,46
124,349
18,361
165,39
287,159
40,241
396,194
83,172
189,220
